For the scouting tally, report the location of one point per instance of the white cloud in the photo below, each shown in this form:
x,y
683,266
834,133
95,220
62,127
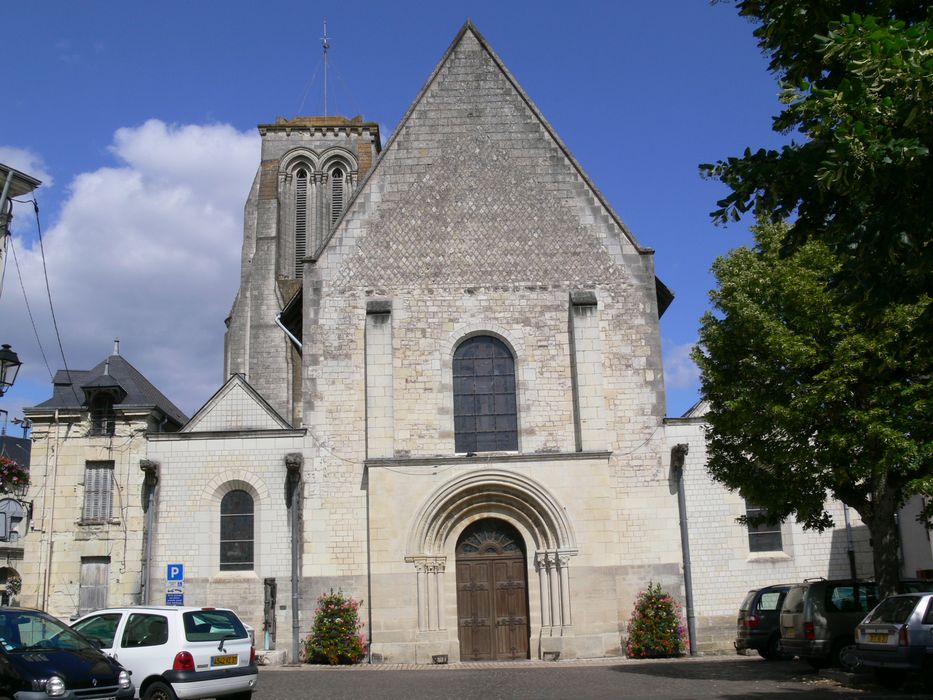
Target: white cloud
x,y
149,252
680,371
26,162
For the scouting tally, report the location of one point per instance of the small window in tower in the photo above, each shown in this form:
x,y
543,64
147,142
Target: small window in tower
x,y
301,219
336,194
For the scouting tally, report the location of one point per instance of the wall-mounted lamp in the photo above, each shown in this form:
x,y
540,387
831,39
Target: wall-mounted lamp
x,y
9,367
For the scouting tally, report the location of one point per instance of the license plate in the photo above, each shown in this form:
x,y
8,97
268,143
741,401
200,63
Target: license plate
x,y
878,638
789,632
228,660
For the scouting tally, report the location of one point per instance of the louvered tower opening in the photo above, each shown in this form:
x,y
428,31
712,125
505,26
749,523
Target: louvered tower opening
x,y
336,194
301,219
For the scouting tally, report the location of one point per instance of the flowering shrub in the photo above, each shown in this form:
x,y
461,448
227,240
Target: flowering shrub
x,y
656,629
12,475
336,637
14,584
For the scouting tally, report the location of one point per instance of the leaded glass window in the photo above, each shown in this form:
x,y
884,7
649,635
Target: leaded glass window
x,y
236,531
485,413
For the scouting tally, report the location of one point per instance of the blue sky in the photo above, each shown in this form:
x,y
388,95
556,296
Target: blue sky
x,y
140,120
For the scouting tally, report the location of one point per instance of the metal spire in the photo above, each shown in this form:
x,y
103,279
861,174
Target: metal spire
x,y
325,43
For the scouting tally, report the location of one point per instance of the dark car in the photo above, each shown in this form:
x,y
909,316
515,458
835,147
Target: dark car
x,y
759,622
41,658
897,637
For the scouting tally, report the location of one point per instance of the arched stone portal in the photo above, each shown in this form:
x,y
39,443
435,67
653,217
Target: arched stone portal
x,y
538,521
492,592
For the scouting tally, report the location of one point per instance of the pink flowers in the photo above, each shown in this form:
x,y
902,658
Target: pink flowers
x,y
12,474
656,627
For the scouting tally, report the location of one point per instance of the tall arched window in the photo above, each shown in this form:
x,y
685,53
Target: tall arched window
x,y
485,414
301,219
236,531
337,192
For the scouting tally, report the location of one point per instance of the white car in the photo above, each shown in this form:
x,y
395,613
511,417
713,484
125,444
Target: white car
x,y
177,652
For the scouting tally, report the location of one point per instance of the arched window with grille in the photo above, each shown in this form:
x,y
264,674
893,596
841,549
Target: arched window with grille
x,y
485,408
337,193
236,531
301,219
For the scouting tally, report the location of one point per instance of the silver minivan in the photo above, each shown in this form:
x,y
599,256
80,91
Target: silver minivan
x,y
818,620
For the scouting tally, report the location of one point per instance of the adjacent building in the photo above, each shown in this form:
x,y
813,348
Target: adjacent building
x,y
90,500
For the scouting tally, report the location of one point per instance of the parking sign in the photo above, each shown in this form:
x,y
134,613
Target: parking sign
x,y
176,572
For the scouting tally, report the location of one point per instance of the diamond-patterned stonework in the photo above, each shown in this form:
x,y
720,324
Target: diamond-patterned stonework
x,y
475,192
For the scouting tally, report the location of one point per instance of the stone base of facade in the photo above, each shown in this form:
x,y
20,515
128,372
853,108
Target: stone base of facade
x,y
716,633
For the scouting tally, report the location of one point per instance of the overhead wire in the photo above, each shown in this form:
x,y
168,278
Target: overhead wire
x,y
308,87
32,319
48,290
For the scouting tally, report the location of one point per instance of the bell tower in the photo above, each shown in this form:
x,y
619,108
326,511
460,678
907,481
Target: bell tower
x,y
309,169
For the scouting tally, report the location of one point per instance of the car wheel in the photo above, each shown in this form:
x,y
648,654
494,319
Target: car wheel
x,y
772,651
844,656
158,691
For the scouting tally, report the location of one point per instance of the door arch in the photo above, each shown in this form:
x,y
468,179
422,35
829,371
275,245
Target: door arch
x,y
492,592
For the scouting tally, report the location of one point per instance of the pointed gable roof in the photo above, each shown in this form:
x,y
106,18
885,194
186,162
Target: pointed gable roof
x,y
113,372
235,407
473,162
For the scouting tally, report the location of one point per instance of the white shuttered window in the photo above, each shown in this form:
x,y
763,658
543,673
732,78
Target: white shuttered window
x,y
94,587
98,491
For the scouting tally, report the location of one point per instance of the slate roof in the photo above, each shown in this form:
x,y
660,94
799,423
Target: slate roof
x,y
140,393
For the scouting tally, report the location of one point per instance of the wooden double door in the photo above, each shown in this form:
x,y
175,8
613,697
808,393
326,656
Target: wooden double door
x,y
492,593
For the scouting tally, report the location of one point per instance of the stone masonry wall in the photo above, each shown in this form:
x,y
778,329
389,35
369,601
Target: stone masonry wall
x,y
724,569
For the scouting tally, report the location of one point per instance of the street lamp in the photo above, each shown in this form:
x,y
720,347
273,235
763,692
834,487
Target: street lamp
x,y
9,367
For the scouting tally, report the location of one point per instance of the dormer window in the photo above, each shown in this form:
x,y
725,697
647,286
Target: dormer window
x,y
103,417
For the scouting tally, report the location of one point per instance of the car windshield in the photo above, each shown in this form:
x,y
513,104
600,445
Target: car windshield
x,y
26,630
212,626
894,610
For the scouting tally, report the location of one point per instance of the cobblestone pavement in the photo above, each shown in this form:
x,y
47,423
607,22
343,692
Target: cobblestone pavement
x,y
687,679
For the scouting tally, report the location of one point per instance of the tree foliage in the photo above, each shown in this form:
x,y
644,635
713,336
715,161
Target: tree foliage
x,y
806,399
817,363
856,78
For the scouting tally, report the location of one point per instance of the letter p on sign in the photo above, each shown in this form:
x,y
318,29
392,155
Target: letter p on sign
x,y
176,572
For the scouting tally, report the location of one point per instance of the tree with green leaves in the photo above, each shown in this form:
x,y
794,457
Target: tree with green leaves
x,y
857,85
816,362
805,401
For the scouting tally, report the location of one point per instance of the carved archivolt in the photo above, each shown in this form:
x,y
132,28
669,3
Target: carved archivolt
x,y
490,493
493,494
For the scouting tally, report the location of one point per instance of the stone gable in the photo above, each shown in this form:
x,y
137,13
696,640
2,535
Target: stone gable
x,y
475,190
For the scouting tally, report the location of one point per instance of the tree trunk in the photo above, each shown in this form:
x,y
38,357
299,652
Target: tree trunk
x,y
882,525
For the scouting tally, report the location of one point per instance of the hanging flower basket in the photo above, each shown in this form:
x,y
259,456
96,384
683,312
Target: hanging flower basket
x,y
14,478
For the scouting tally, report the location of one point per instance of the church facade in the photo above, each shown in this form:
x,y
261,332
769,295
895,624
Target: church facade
x,y
468,336
444,397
